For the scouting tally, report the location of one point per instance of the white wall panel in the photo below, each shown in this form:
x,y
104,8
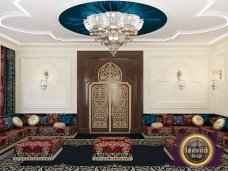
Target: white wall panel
x,y
220,56
58,92
161,93
60,95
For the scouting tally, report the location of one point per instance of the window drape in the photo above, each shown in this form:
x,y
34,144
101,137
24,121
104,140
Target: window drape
x,y
7,86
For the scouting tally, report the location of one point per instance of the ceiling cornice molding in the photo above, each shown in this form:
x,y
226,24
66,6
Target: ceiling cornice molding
x,y
8,43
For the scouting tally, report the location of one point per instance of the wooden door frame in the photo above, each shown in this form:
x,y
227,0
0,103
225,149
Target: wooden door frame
x,y
131,59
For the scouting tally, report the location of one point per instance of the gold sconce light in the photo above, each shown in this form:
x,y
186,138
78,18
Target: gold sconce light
x,y
44,82
180,83
214,82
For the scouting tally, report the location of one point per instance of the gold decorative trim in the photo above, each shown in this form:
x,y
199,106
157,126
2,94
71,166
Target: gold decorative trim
x,y
38,158
109,72
168,153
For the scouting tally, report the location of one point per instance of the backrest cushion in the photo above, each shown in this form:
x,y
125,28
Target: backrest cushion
x,y
213,120
178,120
43,119
25,119
8,123
225,128
206,118
188,119
53,118
67,119
148,119
167,119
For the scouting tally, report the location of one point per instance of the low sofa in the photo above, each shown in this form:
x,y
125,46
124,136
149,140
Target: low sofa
x,y
9,134
175,124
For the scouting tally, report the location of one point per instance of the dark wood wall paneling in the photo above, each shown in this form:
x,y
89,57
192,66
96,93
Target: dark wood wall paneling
x,y
131,64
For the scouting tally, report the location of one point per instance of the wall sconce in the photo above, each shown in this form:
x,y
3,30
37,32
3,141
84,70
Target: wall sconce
x,y
43,83
180,83
214,82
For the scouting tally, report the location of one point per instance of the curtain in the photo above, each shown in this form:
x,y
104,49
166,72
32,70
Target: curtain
x,y
7,95
2,73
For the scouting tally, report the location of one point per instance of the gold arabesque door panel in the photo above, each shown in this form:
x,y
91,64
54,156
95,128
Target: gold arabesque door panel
x,y
109,101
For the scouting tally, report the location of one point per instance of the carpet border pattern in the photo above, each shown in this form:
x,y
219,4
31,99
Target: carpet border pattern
x,y
8,163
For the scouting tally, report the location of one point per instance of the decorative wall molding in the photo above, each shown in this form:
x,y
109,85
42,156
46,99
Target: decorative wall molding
x,y
161,83
220,93
59,94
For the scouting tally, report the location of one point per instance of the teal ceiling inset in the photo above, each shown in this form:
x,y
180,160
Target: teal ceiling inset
x,y
72,18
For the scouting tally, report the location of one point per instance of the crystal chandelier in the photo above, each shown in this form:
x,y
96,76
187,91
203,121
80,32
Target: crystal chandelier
x,y
113,29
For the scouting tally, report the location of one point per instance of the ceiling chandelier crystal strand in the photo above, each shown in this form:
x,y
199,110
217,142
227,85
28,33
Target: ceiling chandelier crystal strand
x,y
113,29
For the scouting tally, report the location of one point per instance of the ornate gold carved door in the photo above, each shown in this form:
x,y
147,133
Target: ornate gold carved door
x,y
109,101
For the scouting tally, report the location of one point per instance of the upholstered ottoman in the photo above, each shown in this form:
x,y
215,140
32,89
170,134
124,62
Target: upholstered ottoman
x,y
112,149
38,148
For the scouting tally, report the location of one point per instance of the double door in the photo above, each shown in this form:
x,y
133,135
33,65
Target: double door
x,y
110,107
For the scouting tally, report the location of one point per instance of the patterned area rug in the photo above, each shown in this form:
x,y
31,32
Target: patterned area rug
x,y
7,164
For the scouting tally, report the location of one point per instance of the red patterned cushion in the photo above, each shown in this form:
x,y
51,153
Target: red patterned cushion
x,y
164,131
53,118
3,140
171,142
25,119
220,136
188,119
15,134
112,148
213,120
167,119
32,130
186,130
2,126
50,131
207,130
37,148
222,139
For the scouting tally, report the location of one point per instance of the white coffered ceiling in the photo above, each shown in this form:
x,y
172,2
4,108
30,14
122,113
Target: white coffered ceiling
x,y
31,22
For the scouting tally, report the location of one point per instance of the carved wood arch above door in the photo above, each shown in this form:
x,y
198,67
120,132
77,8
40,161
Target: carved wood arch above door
x,y
127,66
110,72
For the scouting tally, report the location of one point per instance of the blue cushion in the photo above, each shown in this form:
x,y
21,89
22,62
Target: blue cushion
x,y
149,119
8,123
43,119
178,120
206,119
67,119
